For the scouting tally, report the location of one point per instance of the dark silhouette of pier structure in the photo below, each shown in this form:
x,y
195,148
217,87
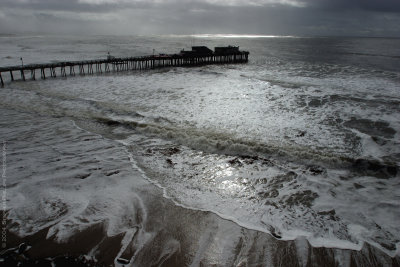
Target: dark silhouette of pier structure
x,y
199,55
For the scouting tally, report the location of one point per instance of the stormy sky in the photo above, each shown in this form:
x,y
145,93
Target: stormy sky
x,y
266,17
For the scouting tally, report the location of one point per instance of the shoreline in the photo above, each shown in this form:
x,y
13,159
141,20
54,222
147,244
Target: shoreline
x,y
201,238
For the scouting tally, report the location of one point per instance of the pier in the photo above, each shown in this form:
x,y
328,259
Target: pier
x,y
199,55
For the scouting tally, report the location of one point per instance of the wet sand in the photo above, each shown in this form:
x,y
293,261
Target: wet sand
x,y
175,236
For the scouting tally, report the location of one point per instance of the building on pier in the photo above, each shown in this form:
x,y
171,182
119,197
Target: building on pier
x,y
226,50
197,51
205,51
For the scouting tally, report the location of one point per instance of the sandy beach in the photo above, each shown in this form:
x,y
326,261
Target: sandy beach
x,y
186,238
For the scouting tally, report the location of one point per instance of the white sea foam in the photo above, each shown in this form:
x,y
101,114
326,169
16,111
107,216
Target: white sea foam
x,y
70,190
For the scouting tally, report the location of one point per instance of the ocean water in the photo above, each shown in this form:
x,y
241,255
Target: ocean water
x,y
300,142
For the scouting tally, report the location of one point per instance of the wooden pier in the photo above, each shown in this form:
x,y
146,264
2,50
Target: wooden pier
x,y
111,64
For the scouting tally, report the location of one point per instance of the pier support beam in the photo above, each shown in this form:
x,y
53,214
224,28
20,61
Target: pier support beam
x,y
99,68
90,68
1,80
81,69
53,72
71,71
63,73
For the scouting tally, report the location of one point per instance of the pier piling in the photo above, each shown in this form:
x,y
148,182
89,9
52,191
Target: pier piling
x,y
42,73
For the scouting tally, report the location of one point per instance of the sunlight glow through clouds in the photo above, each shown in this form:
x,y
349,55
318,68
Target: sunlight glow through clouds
x,y
256,2
112,2
118,2
296,3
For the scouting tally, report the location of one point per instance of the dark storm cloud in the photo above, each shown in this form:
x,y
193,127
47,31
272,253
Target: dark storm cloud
x,y
277,17
367,5
106,5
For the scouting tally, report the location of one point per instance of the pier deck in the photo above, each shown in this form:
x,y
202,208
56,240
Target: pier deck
x,y
120,64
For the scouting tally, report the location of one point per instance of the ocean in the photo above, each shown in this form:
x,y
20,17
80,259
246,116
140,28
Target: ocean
x,y
301,143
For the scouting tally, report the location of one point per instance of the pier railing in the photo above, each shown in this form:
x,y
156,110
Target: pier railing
x,y
112,64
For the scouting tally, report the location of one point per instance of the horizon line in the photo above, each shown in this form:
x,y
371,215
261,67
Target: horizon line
x,y
201,35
